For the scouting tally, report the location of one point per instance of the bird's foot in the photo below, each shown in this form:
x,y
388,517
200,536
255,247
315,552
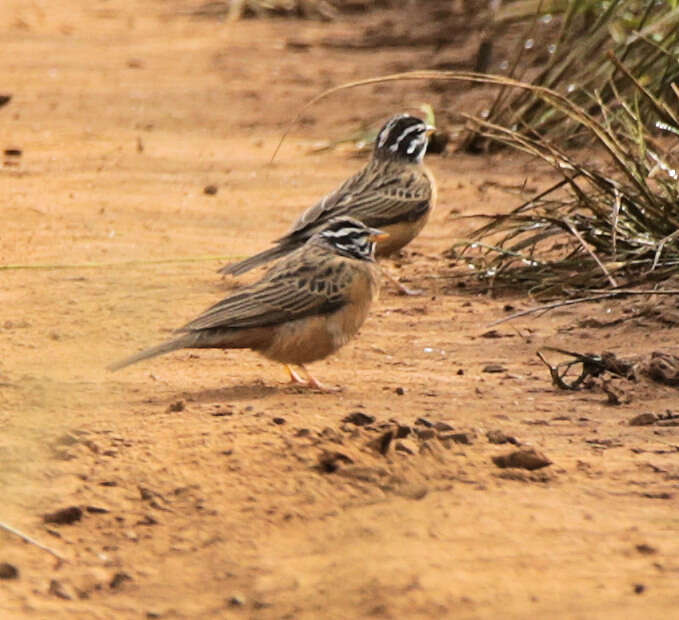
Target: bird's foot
x,y
402,288
315,383
295,379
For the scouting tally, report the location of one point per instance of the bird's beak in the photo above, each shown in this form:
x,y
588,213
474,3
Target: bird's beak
x,y
378,235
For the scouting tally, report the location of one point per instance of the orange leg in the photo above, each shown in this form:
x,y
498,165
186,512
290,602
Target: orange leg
x,y
294,377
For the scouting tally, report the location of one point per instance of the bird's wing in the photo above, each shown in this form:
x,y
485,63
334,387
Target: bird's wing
x,y
378,195
301,285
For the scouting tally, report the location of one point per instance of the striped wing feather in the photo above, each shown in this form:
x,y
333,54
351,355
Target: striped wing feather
x,y
382,193
300,286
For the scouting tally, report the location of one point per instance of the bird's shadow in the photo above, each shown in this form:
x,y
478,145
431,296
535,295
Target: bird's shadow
x,y
245,392
249,391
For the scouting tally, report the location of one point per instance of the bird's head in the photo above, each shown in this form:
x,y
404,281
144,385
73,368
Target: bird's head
x,y
403,137
349,237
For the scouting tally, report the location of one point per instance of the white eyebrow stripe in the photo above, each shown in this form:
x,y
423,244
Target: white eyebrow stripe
x,y
404,134
343,232
386,130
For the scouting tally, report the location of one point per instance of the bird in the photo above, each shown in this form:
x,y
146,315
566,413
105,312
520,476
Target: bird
x,y
394,191
304,308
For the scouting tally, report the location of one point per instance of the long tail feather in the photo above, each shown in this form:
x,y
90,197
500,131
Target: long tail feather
x,y
235,269
182,342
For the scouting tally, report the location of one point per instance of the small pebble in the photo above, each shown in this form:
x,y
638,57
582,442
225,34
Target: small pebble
x,y
237,600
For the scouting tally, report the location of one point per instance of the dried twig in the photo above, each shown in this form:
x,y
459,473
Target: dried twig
x,y
552,306
581,300
578,236
32,541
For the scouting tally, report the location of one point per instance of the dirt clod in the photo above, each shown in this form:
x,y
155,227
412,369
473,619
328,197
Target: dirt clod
x,y
118,580
59,590
518,475
329,462
8,571
210,190
407,446
424,422
615,393
528,458
176,407
147,520
494,368
498,437
331,434
363,473
401,431
461,438
381,444
359,418
643,419
664,368
645,549
424,434
64,516
442,427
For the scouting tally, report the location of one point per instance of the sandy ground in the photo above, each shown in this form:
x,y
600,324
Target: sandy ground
x,y
208,487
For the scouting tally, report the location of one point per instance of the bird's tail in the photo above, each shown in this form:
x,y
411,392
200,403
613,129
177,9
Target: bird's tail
x,y
235,269
187,340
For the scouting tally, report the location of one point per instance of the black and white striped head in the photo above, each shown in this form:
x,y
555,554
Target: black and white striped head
x,y
349,237
403,137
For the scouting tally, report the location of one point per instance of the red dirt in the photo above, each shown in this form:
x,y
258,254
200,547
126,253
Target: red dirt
x,y
202,502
